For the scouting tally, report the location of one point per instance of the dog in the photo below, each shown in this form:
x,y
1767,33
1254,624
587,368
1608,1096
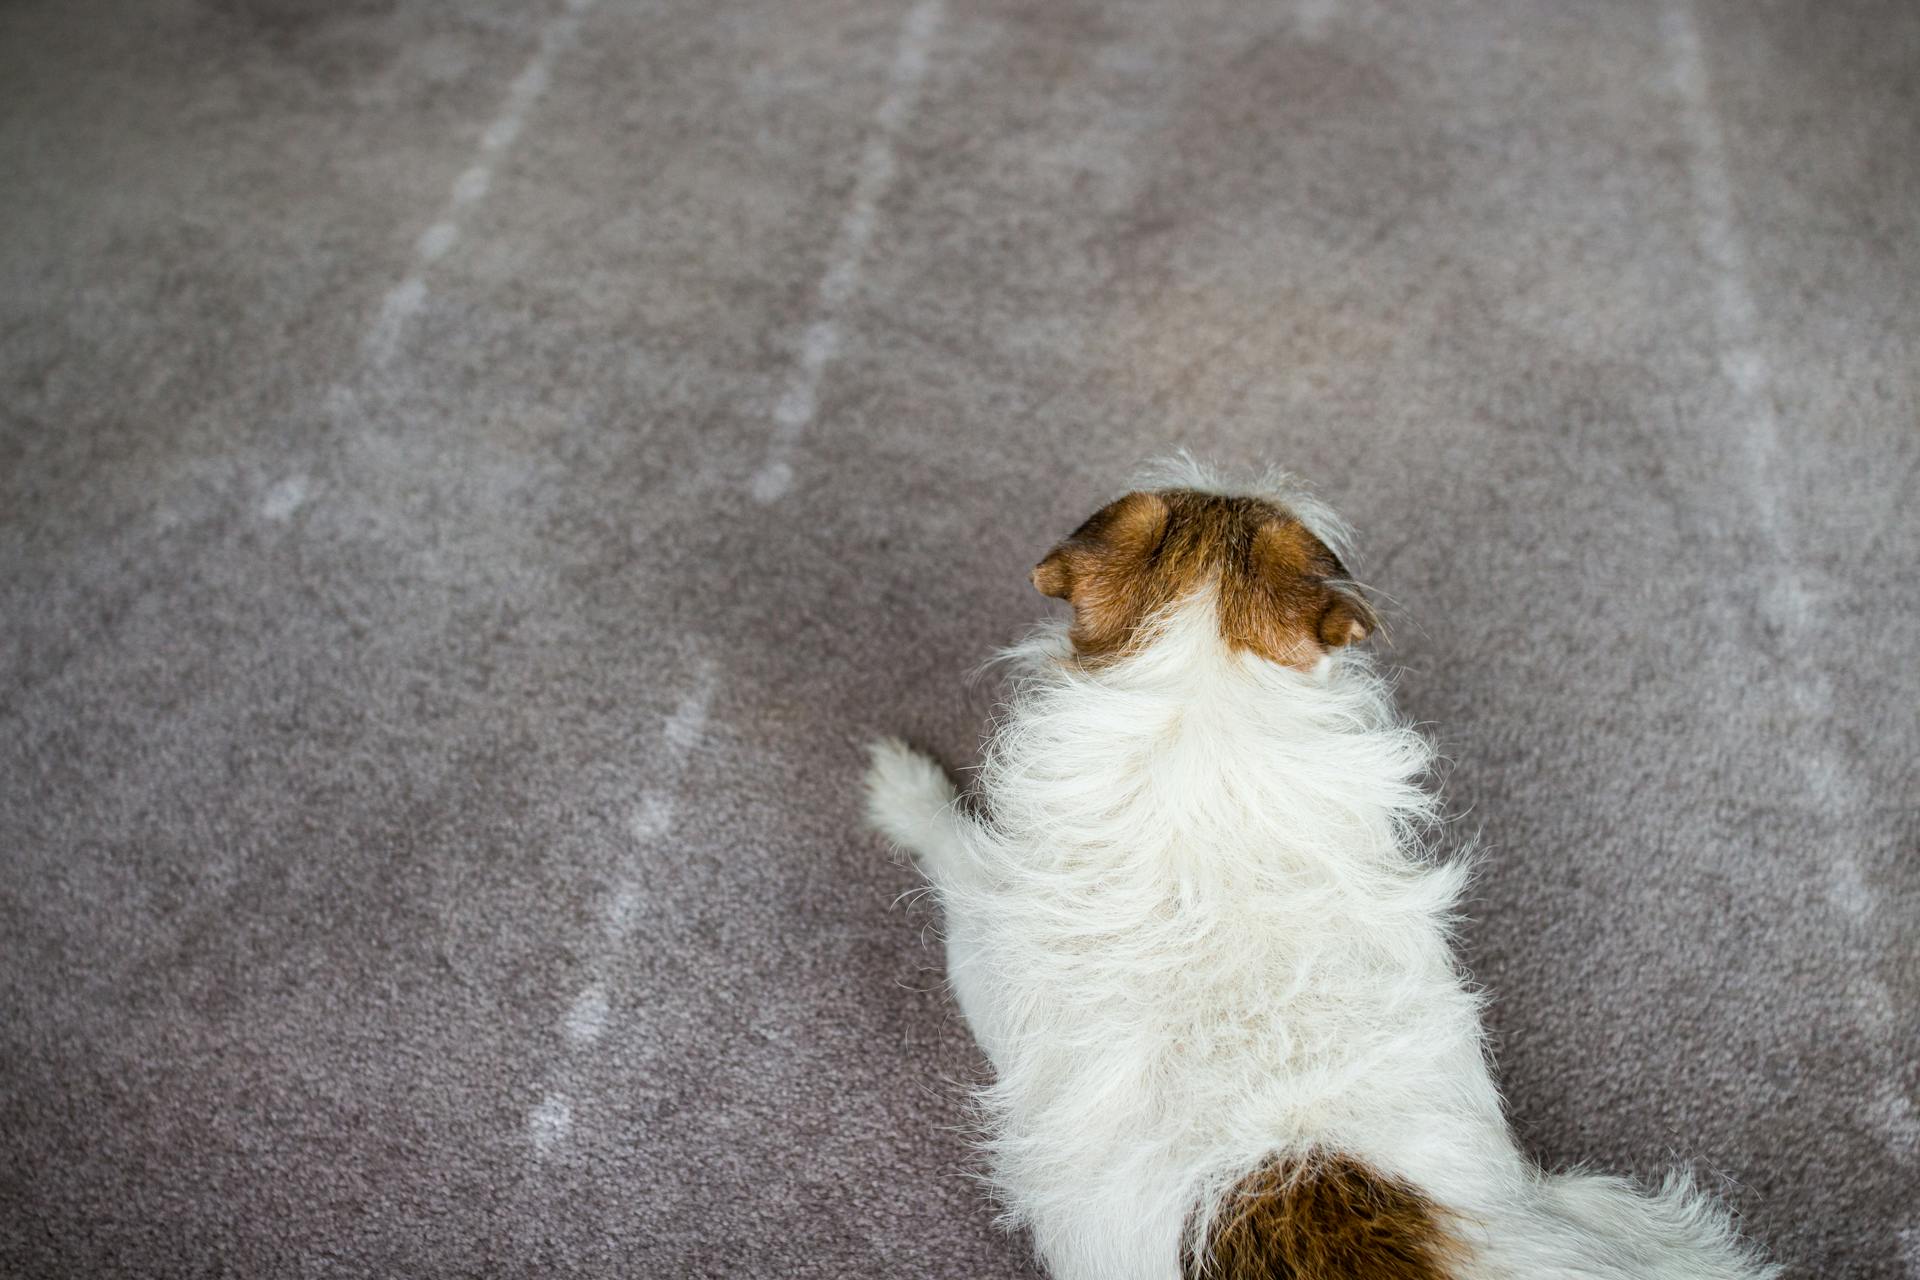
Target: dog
x,y
1197,924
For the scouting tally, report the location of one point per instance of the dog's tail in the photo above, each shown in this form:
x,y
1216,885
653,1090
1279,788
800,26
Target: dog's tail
x,y
1326,1217
1589,1227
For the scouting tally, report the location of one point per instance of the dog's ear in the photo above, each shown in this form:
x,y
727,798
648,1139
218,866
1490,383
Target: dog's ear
x,y
1102,570
1295,602
1348,620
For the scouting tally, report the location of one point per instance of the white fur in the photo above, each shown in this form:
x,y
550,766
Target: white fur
x,y
1197,927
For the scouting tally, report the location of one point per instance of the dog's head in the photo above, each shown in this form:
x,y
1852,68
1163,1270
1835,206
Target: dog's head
x,y
1278,588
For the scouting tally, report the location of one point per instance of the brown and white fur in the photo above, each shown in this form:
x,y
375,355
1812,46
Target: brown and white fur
x,y
1194,924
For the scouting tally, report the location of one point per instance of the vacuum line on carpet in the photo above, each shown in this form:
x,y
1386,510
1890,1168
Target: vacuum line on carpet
x,y
794,411
406,298
550,1121
1791,606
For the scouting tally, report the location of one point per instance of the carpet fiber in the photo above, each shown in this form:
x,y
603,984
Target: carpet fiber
x,y
473,473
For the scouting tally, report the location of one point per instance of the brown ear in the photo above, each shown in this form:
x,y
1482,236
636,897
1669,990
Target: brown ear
x,y
1348,620
1051,578
1103,570
1294,602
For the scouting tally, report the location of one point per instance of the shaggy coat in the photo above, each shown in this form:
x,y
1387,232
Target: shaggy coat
x,y
1195,926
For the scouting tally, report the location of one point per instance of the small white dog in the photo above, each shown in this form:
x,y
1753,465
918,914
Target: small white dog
x,y
1198,932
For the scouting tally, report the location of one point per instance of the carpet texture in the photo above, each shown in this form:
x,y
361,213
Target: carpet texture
x,y
473,474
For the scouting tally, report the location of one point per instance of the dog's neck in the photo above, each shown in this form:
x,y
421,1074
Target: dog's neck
x,y
1187,760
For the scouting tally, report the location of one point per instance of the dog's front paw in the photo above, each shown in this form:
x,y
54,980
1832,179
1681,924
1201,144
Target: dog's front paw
x,y
906,792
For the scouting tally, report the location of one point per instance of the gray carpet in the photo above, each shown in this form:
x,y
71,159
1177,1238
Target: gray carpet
x,y
474,472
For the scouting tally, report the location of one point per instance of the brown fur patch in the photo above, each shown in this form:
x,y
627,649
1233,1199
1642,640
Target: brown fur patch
x,y
1281,591
1326,1218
